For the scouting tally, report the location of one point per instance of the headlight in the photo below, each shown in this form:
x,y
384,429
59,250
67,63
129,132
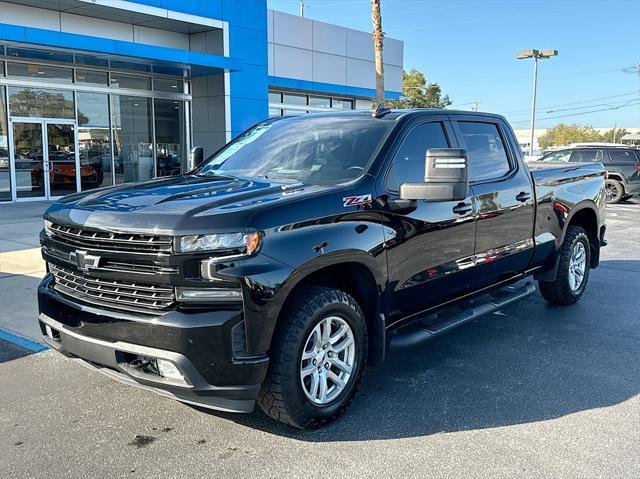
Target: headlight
x,y
47,227
239,243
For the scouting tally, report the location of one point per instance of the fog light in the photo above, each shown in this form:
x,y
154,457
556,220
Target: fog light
x,y
169,370
202,295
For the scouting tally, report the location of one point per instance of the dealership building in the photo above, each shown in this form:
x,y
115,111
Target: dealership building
x,y
101,92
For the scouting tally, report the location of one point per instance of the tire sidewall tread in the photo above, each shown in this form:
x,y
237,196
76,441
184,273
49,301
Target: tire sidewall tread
x,y
281,396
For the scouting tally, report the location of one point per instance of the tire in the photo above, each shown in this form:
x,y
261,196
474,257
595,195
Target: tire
x,y
285,395
615,191
565,290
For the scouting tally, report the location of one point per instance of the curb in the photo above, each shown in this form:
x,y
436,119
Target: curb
x,y
25,343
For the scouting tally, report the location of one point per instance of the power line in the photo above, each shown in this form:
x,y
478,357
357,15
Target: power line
x,y
528,110
628,104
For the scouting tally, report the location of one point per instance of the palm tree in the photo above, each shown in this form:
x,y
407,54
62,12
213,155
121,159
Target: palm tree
x,y
378,36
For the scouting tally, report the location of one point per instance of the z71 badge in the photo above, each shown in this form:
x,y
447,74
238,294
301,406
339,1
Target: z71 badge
x,y
356,200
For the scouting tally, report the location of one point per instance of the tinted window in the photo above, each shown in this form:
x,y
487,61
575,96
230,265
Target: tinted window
x,y
408,163
318,150
487,154
622,155
557,156
584,156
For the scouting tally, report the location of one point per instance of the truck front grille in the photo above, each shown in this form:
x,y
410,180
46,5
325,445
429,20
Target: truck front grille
x,y
120,295
105,240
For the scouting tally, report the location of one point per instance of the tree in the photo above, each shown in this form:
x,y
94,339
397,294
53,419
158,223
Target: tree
x,y
419,93
562,134
376,19
613,135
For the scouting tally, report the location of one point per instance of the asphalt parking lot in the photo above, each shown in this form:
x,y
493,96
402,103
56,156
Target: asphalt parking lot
x,y
530,391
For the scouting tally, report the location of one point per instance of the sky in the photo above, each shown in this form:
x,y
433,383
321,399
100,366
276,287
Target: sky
x,y
469,47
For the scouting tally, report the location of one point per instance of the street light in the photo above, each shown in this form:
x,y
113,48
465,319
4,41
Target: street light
x,y
535,54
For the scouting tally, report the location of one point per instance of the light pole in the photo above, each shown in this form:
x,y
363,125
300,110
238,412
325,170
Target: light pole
x,y
535,54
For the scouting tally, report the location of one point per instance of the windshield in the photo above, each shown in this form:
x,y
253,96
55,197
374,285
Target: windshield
x,y
321,150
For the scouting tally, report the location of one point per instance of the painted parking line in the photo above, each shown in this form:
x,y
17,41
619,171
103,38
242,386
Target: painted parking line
x,y
25,343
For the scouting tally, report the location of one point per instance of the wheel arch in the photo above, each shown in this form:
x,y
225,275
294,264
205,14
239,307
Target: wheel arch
x,y
586,217
354,272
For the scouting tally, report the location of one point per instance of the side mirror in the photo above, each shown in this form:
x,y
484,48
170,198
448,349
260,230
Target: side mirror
x,y
445,177
197,156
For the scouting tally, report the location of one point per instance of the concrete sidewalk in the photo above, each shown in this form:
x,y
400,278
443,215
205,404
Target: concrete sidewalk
x,y
21,267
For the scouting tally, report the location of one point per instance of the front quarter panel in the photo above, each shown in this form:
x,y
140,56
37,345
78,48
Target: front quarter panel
x,y
291,252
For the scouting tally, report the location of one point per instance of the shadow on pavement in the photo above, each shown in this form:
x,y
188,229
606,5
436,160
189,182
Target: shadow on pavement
x,y
531,362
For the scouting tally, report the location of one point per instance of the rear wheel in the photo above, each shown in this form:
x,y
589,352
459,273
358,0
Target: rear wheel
x,y
614,190
317,358
573,269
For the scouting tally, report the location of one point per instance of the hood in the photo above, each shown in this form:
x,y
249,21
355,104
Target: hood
x,y
187,204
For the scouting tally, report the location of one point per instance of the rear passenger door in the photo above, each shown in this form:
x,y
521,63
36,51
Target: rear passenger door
x,y
503,195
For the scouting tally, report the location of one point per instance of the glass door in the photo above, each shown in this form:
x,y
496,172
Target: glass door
x,y
28,160
45,159
61,159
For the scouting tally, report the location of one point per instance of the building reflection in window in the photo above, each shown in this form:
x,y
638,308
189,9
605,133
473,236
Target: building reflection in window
x,y
132,138
170,137
5,172
94,140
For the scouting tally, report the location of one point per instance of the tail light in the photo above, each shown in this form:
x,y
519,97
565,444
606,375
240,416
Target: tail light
x,y
638,166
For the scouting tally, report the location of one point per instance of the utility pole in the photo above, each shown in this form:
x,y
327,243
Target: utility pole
x,y
475,105
535,54
301,8
376,19
615,126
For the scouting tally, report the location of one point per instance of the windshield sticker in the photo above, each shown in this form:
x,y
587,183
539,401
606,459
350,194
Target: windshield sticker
x,y
356,200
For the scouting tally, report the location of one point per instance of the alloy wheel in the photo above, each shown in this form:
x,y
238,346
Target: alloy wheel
x,y
328,360
577,266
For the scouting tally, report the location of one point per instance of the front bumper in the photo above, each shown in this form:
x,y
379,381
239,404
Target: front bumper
x,y
199,344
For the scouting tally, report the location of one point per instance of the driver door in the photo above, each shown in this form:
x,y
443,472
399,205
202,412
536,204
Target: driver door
x,y
430,249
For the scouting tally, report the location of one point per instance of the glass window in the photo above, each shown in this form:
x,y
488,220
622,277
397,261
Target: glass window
x,y
487,154
5,173
134,82
275,97
294,112
621,155
132,138
92,77
563,155
94,140
168,84
315,150
35,71
293,99
341,104
320,102
1,67
171,156
409,162
274,112
585,156
40,102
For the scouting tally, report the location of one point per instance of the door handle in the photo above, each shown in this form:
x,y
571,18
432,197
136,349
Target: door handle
x,y
462,208
523,196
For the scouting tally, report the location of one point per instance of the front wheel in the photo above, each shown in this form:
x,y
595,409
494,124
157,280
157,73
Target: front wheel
x,y
317,358
573,269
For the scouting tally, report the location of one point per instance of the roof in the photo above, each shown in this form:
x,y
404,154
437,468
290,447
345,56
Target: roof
x,y
631,136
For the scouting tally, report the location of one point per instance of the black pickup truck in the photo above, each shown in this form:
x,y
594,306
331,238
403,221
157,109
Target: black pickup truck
x,y
306,248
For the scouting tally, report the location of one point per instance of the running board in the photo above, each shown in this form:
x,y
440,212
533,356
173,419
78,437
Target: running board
x,y
437,323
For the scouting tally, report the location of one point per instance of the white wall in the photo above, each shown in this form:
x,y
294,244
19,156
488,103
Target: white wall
x,y
66,22
306,49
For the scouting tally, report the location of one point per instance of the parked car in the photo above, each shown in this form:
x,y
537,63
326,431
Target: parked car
x,y
622,165
307,247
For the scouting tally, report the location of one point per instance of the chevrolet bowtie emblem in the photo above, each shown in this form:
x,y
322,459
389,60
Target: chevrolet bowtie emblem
x,y
83,260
